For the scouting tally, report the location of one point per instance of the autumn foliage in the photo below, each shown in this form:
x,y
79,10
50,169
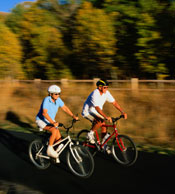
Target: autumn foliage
x,y
114,39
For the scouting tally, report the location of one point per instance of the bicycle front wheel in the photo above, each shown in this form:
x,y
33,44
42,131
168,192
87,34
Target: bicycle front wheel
x,y
124,150
80,161
37,147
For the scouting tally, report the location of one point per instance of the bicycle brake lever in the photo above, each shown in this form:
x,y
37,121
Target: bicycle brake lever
x,y
60,125
117,118
113,120
122,116
74,120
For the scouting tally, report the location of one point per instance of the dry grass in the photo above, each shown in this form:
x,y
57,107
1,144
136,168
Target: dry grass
x,y
150,113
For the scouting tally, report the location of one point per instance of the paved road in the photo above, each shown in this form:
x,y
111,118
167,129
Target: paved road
x,y
151,173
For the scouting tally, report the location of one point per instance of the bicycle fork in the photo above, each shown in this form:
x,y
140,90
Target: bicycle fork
x,y
75,153
120,143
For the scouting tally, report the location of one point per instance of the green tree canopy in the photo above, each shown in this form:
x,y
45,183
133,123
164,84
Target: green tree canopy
x,y
93,38
93,41
149,38
125,13
43,45
10,54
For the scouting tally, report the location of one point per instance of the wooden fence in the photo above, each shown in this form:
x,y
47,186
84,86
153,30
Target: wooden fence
x,y
133,84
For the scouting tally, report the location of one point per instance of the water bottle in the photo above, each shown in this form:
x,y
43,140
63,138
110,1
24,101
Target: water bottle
x,y
105,137
106,147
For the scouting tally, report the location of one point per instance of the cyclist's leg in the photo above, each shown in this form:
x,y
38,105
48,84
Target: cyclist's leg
x,y
44,126
103,130
58,136
50,150
53,136
96,122
96,125
99,122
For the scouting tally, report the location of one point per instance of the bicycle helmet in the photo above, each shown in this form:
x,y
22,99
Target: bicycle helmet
x,y
54,89
102,82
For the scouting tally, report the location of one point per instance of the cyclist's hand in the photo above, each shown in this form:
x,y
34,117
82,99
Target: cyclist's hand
x,y
75,117
109,119
55,124
125,115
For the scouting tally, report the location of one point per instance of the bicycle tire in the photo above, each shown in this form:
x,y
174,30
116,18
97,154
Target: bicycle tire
x,y
85,167
82,139
124,150
39,162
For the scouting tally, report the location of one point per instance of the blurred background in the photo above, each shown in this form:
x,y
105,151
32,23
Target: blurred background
x,y
47,42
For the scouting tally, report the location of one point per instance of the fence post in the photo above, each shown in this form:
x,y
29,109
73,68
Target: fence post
x,y
64,82
160,84
95,81
37,83
37,80
134,84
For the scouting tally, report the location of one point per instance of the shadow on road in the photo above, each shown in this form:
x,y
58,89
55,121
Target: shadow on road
x,y
151,173
14,118
15,144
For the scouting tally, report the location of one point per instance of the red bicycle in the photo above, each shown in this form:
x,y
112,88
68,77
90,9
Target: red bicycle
x,y
121,147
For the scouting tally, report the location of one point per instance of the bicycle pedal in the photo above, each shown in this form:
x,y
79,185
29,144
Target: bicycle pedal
x,y
57,160
77,142
108,151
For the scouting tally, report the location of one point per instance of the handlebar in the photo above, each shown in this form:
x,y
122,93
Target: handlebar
x,y
68,128
74,121
117,118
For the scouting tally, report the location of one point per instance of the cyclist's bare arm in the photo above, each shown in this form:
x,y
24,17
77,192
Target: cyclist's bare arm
x,y
117,106
98,109
69,112
46,115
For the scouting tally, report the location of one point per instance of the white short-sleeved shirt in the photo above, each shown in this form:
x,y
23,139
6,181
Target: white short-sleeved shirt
x,y
96,99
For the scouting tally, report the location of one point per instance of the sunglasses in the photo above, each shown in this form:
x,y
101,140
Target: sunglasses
x,y
105,87
56,94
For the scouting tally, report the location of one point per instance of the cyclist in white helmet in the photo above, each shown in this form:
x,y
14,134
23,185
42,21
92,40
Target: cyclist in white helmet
x,y
45,118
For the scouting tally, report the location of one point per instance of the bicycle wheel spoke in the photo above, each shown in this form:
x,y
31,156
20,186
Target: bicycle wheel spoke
x,y
80,161
124,150
82,170
125,156
36,147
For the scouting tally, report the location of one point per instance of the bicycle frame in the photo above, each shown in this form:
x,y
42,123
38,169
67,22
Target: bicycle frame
x,y
120,144
69,142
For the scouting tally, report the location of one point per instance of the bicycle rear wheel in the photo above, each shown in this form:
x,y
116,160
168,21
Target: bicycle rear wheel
x,y
124,150
35,147
80,161
83,140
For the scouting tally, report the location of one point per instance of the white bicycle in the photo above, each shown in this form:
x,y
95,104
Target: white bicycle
x,y
79,159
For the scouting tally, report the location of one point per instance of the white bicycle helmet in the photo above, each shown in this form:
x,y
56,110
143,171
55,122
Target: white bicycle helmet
x,y
54,89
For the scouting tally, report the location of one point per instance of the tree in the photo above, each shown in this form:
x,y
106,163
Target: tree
x,y
166,46
138,35
43,46
10,54
61,10
3,16
149,38
125,13
93,42
95,3
15,17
